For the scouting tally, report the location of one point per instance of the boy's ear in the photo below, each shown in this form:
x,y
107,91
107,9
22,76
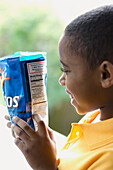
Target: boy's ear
x,y
106,71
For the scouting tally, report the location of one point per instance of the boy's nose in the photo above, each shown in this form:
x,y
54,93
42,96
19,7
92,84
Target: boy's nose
x,y
62,80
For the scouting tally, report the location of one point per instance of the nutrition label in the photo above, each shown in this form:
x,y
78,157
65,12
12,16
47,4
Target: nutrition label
x,y
37,78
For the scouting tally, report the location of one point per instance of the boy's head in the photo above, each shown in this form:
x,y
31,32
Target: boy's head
x,y
86,53
91,36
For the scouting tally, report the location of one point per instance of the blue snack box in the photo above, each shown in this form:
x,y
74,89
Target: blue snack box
x,y
24,82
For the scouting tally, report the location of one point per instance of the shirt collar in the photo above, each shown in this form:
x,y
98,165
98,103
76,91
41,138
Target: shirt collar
x,y
98,134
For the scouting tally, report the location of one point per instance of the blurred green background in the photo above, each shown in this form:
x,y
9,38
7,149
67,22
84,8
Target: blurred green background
x,y
35,27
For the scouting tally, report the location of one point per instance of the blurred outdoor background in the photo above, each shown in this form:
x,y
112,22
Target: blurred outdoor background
x,y
36,25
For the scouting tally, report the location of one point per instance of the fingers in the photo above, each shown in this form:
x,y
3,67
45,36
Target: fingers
x,y
20,134
19,143
51,135
7,117
28,131
36,117
9,124
13,133
42,129
23,125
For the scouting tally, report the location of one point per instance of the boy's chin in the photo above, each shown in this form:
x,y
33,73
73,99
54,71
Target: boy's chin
x,y
77,107
79,111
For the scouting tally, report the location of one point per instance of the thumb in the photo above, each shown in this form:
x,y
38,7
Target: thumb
x,y
39,124
51,135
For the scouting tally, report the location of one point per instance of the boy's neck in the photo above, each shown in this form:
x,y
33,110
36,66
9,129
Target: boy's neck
x,y
106,113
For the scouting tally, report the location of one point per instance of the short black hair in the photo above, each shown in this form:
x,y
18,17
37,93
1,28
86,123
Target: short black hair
x,y
91,35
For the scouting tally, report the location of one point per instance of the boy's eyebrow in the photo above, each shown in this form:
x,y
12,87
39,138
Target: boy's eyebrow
x,y
63,63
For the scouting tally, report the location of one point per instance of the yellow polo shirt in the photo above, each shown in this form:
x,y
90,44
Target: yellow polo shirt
x,y
89,146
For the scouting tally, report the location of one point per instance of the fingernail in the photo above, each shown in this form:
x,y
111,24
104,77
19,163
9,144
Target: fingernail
x,y
12,126
15,118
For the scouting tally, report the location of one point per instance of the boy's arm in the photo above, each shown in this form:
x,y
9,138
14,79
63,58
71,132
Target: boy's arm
x,y
39,146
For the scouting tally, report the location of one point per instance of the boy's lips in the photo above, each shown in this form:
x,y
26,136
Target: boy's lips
x,y
71,96
73,101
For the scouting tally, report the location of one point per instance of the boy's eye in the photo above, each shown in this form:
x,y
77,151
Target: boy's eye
x,y
65,71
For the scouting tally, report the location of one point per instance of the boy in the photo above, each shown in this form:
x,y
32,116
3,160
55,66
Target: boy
x,y
86,54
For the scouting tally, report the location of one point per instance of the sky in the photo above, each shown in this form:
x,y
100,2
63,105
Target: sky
x,y
67,10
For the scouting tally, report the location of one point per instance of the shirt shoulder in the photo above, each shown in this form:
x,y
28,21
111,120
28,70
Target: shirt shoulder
x,y
94,160
102,160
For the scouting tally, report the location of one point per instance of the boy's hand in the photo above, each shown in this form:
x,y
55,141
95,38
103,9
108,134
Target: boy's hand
x,y
7,117
38,147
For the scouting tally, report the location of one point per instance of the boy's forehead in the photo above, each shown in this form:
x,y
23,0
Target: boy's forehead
x,y
62,47
65,51
62,36
64,44
61,41
67,56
